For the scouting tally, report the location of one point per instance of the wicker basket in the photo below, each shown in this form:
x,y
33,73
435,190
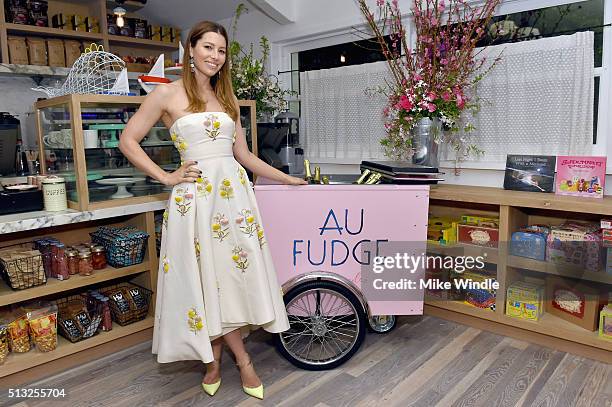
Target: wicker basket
x,y
124,246
21,267
136,305
68,327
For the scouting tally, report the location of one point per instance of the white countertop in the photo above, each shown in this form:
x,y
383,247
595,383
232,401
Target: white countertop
x,y
19,222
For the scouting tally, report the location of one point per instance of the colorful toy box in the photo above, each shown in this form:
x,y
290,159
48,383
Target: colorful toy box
x,y
576,243
442,230
605,322
530,242
525,300
583,176
479,297
478,230
574,301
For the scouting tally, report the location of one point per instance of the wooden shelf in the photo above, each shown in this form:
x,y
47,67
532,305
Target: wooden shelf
x,y
130,41
499,196
55,32
10,296
58,72
548,324
17,362
558,269
489,253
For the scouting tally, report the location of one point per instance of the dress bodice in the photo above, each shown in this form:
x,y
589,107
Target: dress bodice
x,y
204,135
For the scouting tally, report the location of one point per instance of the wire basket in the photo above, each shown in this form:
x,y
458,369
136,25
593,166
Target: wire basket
x,y
128,302
125,246
21,267
84,324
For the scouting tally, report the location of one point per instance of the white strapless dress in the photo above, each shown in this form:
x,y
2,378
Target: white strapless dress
x,y
215,269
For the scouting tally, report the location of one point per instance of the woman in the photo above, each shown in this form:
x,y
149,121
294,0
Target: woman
x,y
216,279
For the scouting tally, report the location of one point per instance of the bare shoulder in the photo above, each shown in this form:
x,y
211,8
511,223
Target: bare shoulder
x,y
167,90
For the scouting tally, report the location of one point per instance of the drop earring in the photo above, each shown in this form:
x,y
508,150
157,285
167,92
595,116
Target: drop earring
x,y
191,64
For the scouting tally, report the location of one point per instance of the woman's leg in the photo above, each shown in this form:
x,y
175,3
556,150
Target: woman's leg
x,y
247,371
213,369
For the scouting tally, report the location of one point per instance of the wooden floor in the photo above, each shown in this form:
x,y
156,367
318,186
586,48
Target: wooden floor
x,y
425,361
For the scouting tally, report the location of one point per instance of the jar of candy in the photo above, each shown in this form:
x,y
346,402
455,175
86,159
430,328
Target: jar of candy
x,y
61,272
85,268
98,257
73,261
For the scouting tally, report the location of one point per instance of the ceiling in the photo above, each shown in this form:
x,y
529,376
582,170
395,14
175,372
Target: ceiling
x,y
185,13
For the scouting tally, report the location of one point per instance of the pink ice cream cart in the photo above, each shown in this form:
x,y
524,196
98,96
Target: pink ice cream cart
x,y
318,236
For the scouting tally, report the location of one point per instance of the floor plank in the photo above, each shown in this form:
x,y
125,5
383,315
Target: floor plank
x,y
425,361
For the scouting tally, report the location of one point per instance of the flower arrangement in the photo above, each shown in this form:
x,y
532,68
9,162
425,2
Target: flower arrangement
x,y
435,79
249,77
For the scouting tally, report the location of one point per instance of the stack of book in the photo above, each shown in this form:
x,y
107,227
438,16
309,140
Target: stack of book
x,y
402,172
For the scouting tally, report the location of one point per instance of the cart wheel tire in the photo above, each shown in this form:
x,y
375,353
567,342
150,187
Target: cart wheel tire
x,y
343,334
381,324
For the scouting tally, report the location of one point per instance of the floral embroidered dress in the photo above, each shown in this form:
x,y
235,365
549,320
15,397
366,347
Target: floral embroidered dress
x,y
216,272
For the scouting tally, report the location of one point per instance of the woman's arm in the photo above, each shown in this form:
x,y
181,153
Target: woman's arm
x,y
258,167
138,126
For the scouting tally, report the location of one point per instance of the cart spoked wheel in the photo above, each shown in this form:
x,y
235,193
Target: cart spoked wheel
x,y
327,326
381,324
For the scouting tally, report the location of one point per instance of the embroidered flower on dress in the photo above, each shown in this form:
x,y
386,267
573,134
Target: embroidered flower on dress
x,y
260,236
226,190
194,321
203,187
220,228
242,176
240,257
165,264
183,201
247,221
212,125
165,219
179,143
196,244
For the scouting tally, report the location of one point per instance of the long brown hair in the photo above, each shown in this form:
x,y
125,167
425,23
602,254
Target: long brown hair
x,y
221,82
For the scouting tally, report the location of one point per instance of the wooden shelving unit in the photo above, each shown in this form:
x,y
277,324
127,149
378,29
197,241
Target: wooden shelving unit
x,y
96,8
17,369
516,209
16,362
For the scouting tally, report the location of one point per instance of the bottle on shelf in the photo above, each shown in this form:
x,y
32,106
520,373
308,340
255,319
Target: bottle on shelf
x,y
317,175
325,180
373,179
308,174
364,175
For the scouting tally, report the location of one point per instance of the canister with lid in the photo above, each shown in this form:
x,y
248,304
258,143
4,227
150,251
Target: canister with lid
x,y
54,192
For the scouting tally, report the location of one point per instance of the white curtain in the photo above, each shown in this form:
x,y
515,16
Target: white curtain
x,y
338,121
537,100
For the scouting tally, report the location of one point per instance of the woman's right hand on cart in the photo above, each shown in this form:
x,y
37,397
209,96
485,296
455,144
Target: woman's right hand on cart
x,y
188,172
294,181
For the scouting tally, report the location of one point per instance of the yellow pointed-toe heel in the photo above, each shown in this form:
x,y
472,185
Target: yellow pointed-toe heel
x,y
254,391
258,391
211,389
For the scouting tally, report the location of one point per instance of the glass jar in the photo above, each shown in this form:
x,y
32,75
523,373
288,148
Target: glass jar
x,y
85,268
73,261
98,257
61,262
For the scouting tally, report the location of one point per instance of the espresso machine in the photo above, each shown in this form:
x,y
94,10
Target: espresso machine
x,y
291,153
